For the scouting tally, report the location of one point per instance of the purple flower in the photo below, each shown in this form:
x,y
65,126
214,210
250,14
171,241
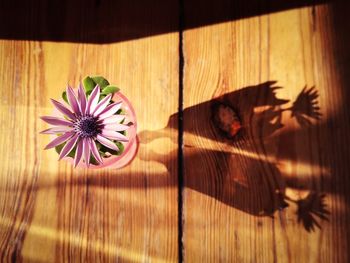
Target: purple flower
x,y
84,123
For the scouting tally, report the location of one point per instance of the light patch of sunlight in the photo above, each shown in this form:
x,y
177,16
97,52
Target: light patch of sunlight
x,y
209,144
161,145
304,170
257,17
78,240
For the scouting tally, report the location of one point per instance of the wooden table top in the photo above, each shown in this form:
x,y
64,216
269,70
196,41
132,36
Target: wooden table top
x,y
278,191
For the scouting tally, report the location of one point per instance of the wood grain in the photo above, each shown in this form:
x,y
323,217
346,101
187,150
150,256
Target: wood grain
x,y
235,189
50,212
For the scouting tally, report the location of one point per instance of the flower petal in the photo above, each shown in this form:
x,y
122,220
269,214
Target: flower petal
x,y
59,140
68,146
94,151
102,105
56,121
73,100
82,98
110,110
57,129
116,127
113,119
114,135
86,151
107,143
93,99
78,153
63,109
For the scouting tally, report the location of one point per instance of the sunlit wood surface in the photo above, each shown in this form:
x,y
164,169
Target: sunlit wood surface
x,y
234,189
234,192
50,212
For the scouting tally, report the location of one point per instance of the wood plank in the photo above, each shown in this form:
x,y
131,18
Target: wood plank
x,y
50,212
235,189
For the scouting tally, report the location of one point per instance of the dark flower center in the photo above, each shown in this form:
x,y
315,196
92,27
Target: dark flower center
x,y
87,126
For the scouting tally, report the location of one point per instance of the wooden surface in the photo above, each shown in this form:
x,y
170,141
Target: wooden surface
x,y
233,188
231,191
51,212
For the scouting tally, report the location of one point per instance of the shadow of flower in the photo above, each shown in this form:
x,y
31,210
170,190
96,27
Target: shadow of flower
x,y
309,207
306,107
238,127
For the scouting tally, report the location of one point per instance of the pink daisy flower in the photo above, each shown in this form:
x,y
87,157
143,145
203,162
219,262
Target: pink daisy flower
x,y
84,123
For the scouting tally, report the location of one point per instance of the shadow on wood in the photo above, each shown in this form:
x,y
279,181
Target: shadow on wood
x,y
108,21
240,171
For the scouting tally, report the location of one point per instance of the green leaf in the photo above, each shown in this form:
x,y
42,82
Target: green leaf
x,y
58,149
120,146
102,96
120,111
93,160
105,149
98,145
64,96
89,84
110,89
103,154
72,152
88,93
101,81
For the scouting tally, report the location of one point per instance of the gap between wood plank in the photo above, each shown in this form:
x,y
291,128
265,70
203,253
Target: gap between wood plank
x,y
180,134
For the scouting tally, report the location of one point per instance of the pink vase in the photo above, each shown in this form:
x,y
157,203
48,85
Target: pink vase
x,y
130,147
